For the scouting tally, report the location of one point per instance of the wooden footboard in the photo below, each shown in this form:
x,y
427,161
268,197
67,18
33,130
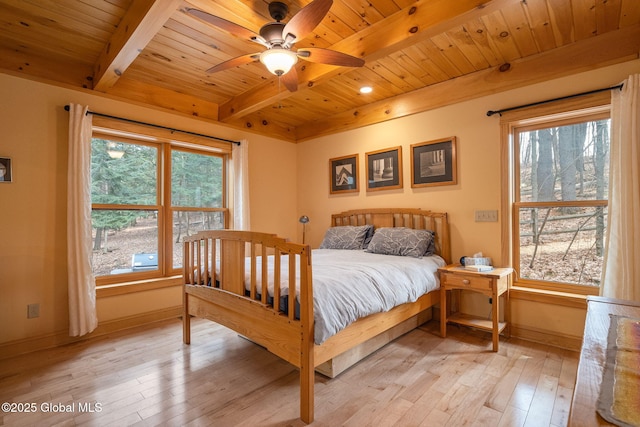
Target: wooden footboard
x,y
214,268
217,264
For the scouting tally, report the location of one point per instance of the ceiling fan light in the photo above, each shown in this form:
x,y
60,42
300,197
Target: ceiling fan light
x,y
278,61
114,151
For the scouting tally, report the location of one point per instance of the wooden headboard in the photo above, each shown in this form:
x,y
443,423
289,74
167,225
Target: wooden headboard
x,y
401,217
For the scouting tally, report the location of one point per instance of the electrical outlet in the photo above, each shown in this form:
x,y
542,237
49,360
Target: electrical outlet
x,y
33,311
486,216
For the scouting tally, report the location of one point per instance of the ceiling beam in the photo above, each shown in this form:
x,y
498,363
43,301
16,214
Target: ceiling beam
x,y
169,100
255,123
140,24
28,64
596,52
147,94
413,24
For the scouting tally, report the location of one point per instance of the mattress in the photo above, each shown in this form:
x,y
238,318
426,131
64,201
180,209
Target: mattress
x,y
350,284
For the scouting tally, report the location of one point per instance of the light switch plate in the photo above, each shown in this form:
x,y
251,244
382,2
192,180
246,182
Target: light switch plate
x,y
487,216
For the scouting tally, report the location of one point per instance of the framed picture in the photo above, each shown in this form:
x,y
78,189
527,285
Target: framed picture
x,y
343,174
434,163
384,169
6,170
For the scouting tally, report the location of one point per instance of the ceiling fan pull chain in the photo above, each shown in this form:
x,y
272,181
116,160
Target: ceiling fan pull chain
x,y
279,103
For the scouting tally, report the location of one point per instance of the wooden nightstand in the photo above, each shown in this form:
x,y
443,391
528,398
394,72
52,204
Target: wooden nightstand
x,y
494,283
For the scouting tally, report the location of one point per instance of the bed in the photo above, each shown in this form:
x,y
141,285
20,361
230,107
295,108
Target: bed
x,y
226,281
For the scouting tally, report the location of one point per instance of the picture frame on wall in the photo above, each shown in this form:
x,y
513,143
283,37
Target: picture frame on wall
x,y
6,170
384,169
343,174
434,163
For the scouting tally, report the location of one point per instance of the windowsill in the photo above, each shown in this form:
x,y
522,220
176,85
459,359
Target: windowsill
x,y
546,296
124,288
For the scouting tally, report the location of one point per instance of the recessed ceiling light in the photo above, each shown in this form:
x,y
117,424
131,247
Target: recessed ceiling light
x,y
366,89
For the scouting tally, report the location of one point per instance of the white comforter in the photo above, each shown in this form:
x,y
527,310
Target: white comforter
x,y
350,284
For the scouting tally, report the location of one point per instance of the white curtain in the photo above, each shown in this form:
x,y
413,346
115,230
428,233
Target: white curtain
x,y
82,286
621,275
240,159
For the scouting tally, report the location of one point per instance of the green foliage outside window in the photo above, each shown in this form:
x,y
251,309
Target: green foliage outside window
x,y
188,188
128,180
128,209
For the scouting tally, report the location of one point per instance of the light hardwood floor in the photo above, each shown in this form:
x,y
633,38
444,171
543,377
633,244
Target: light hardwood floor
x,y
146,376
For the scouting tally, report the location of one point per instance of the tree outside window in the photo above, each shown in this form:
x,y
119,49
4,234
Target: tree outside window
x,y
560,207
145,199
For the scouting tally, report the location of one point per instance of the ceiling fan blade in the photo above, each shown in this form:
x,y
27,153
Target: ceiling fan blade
x,y
223,24
331,57
290,80
305,20
234,62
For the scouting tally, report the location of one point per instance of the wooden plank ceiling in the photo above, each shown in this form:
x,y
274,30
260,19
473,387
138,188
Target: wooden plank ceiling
x,y
418,55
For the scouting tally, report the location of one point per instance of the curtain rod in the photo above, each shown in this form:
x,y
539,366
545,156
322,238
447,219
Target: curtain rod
x,y
533,104
66,107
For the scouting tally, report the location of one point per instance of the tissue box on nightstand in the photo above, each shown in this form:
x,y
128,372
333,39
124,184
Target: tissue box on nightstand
x,y
468,260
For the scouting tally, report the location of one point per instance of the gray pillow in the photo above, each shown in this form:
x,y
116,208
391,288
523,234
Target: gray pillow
x,y
402,241
346,237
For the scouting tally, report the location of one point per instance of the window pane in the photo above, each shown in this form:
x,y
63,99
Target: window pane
x,y
565,163
562,244
124,241
186,223
196,180
123,173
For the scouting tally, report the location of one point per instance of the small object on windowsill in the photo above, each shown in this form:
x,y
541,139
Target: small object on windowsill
x,y
478,268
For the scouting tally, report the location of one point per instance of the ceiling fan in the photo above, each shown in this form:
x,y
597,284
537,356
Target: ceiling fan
x,y
279,37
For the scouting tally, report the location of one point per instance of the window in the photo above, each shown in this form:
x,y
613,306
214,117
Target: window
x,y
147,194
197,203
560,171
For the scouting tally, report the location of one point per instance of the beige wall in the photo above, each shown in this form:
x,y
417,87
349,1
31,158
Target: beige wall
x,y
33,208
478,146
478,185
